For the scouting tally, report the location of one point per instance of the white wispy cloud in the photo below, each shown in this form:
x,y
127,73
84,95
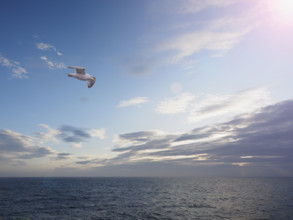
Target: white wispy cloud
x,y
52,64
216,36
218,105
77,145
45,46
49,136
208,106
100,133
188,64
187,6
177,104
136,138
190,43
17,70
194,6
133,102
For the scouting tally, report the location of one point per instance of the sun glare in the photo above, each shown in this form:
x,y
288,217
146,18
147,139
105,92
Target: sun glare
x,y
282,10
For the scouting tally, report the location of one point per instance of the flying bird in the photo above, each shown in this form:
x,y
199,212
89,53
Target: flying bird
x,y
82,75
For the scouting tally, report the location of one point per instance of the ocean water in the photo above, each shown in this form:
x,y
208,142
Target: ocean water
x,y
146,198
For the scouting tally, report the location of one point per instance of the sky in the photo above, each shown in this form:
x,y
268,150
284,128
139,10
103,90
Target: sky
x,y
184,88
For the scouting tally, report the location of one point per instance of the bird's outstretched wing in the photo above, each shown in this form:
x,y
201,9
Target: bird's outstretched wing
x,y
78,70
91,82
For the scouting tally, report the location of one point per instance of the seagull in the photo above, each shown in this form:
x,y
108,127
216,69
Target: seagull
x,y
81,75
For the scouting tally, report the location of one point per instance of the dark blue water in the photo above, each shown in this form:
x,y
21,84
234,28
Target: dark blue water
x,y
146,198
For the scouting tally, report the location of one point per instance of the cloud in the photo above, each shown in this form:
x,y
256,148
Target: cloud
x,y
263,138
219,105
18,146
217,37
187,6
210,39
213,106
37,152
63,156
255,141
137,101
77,145
97,162
100,133
52,64
177,104
253,144
48,47
194,6
17,70
13,141
136,138
73,134
69,134
77,135
50,136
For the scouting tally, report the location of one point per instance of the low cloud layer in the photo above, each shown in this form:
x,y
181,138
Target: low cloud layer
x,y
261,141
211,106
219,105
16,146
256,143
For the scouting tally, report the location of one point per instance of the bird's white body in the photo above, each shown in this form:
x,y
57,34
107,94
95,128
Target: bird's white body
x,y
81,75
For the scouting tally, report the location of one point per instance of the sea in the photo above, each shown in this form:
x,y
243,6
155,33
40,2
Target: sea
x,y
146,198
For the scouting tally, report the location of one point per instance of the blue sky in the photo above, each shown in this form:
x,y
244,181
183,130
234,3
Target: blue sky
x,y
189,87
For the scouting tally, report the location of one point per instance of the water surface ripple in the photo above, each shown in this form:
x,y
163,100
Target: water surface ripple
x,y
146,198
